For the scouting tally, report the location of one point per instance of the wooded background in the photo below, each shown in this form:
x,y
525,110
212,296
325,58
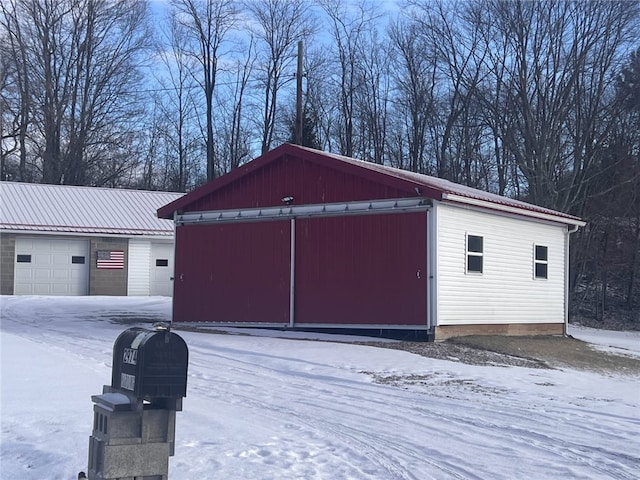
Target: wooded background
x,y
534,100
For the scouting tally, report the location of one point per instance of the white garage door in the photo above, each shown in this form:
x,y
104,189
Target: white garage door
x,y
161,273
51,267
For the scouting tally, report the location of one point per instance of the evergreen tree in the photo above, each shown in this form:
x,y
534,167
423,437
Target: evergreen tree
x,y
309,130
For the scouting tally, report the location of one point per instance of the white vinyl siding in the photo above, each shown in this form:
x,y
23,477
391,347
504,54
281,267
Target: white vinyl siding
x,y
506,291
139,260
51,266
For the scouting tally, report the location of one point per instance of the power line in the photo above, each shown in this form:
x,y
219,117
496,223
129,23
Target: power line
x,y
195,87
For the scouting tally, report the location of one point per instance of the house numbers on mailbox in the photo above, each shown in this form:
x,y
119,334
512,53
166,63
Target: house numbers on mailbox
x,y
128,382
130,356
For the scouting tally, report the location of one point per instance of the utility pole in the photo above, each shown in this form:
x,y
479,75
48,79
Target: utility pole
x,y
299,121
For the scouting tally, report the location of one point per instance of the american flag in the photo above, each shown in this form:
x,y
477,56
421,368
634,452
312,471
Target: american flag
x,y
111,259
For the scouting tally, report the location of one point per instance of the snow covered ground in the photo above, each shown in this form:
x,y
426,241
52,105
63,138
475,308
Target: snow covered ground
x,y
260,407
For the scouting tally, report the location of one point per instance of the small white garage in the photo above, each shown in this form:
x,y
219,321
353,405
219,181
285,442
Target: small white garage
x,y
67,240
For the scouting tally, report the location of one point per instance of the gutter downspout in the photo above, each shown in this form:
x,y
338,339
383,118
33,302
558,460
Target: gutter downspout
x,y
432,270
571,230
173,274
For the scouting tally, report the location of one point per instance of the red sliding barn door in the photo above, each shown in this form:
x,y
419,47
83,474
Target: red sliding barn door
x,y
233,272
367,269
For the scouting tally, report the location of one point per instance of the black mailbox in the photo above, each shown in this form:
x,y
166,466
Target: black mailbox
x,y
150,364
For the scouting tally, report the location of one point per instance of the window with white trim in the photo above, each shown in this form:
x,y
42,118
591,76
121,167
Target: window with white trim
x,y
475,253
540,261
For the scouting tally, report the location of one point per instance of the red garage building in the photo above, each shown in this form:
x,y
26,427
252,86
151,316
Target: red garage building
x,y
299,238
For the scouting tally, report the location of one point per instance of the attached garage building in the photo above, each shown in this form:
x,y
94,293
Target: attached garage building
x,y
66,240
299,238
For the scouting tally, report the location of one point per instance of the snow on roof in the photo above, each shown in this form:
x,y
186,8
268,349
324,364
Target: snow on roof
x,y
87,210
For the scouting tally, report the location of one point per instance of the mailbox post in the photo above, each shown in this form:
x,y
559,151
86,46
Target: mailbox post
x,y
134,418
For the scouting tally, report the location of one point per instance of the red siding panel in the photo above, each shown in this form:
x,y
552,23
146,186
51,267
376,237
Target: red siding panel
x,y
306,181
232,273
362,270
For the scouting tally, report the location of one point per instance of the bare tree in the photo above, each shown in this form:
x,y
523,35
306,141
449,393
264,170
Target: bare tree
x,y
233,101
15,93
177,105
558,89
491,98
458,51
147,178
80,62
280,24
438,75
7,131
372,99
320,98
207,23
350,24
414,74
614,205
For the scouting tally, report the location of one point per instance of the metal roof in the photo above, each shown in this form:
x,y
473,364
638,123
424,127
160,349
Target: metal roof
x,y
445,188
85,210
414,183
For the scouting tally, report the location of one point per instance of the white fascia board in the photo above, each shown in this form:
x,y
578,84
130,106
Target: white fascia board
x,y
400,205
459,199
